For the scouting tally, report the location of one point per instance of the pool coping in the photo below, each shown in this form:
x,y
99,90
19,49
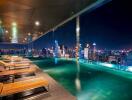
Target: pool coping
x,y
121,73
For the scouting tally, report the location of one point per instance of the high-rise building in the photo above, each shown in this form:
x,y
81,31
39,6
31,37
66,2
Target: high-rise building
x,y
94,51
86,52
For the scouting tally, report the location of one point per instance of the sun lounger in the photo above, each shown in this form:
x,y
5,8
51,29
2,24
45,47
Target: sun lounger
x,y
13,58
14,72
2,68
14,65
2,63
21,86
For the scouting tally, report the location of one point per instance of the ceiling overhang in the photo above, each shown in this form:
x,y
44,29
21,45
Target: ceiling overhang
x,y
50,13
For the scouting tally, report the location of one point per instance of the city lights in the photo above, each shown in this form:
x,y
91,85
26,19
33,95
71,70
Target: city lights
x,y
94,44
106,65
130,68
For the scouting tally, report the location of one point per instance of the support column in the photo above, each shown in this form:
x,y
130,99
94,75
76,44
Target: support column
x,y
77,36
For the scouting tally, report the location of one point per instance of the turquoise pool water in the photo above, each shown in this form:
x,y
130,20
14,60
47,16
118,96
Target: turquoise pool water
x,y
89,81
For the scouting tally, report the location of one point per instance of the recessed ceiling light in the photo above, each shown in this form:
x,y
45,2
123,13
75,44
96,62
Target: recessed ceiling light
x,y
6,31
0,22
14,24
37,23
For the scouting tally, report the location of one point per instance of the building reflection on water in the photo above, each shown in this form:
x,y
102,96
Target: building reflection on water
x,y
77,80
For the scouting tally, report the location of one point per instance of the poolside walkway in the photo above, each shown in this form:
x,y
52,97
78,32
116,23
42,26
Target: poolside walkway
x,y
56,91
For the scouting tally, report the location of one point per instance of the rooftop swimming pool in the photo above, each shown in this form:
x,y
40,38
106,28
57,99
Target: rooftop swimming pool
x,y
89,81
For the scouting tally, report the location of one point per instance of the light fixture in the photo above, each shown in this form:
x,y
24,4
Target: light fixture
x,y
14,24
0,22
6,31
25,39
37,23
29,34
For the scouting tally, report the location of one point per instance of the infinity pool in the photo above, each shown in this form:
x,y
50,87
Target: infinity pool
x,y
88,81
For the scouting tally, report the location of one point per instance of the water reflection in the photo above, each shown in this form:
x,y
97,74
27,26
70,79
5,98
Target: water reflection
x,y
77,80
56,51
56,60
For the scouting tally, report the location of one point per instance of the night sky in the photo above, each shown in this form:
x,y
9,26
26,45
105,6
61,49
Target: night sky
x,y
110,26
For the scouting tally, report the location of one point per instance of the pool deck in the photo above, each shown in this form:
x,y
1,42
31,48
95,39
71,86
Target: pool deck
x,y
56,91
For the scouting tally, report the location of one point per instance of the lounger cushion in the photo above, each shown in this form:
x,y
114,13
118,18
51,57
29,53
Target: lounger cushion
x,y
20,71
21,86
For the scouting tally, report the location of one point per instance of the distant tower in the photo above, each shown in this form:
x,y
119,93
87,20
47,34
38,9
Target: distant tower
x,y
56,52
80,51
86,52
94,51
63,51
